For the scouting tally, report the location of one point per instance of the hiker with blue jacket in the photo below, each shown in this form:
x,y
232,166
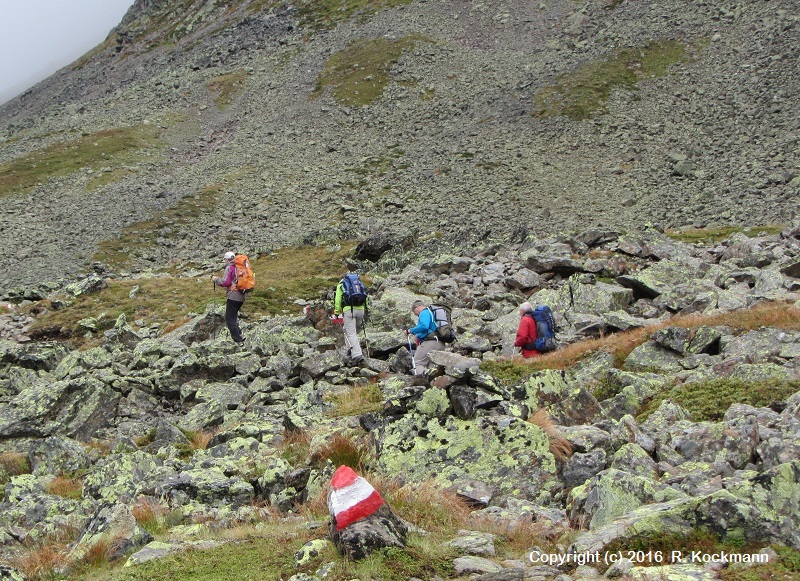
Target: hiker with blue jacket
x,y
425,333
349,310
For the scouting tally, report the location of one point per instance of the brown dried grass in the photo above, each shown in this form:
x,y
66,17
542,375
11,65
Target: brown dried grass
x,y
560,447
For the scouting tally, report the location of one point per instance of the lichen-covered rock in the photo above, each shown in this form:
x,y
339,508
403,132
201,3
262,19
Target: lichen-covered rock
x,y
310,551
120,477
597,298
568,403
474,543
659,277
116,526
614,493
209,486
651,356
505,452
57,455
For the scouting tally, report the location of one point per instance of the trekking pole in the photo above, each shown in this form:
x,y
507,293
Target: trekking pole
x,y
410,350
216,308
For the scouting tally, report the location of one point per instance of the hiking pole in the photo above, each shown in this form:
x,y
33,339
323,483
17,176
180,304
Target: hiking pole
x,y
216,308
410,350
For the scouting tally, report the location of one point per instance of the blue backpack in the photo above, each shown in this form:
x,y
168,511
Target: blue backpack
x,y
545,330
354,293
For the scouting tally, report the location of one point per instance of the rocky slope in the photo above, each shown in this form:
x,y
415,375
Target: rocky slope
x,y
120,415
451,146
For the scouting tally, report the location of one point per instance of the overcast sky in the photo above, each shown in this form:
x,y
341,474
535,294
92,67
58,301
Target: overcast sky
x,y
38,37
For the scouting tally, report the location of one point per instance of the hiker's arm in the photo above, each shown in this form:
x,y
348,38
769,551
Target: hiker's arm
x,y
423,324
523,333
337,300
228,277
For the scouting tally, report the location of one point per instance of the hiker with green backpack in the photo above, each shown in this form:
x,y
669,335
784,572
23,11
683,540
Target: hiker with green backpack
x,y
430,335
350,310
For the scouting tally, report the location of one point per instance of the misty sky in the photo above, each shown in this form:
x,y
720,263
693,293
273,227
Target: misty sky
x,y
38,37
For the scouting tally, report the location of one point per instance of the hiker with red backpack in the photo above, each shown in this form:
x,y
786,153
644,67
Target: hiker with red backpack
x,y
350,310
237,280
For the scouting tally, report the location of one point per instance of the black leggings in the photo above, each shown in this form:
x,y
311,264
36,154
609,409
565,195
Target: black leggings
x,y
232,319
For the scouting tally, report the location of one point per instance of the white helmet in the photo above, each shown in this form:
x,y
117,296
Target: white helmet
x,y
229,256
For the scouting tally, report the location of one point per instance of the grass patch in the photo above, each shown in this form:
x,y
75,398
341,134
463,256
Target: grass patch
x,y
509,371
264,557
153,517
112,147
327,14
358,75
420,559
714,235
225,88
281,278
360,399
108,176
427,506
786,567
583,93
709,400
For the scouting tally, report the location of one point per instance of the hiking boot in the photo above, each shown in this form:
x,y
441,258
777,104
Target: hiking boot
x,y
357,361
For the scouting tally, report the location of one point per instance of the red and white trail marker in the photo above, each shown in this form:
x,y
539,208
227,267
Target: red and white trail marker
x,y
352,498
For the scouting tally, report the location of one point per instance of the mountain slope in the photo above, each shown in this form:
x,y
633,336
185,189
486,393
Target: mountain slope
x,y
255,124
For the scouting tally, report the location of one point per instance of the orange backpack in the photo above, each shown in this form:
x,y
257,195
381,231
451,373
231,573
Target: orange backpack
x,y
245,280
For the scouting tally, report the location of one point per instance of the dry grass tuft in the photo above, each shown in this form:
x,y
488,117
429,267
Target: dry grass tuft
x,y
15,463
40,561
98,554
343,451
65,487
426,505
295,446
201,438
360,399
560,447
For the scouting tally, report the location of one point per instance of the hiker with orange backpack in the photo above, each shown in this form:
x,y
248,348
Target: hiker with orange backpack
x,y
237,280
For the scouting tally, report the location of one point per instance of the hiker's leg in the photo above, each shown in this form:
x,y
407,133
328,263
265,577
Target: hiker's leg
x,y
232,319
421,359
350,332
